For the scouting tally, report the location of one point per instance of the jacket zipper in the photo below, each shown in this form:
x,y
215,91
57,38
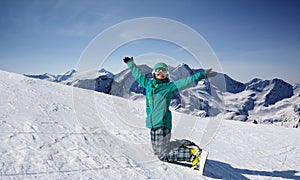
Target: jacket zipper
x,y
152,104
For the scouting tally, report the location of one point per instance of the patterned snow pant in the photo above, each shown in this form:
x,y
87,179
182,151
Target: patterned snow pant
x,y
166,150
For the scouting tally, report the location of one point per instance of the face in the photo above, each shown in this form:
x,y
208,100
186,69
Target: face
x,y
160,76
161,73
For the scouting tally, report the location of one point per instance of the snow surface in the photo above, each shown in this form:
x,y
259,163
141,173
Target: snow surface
x,y
54,131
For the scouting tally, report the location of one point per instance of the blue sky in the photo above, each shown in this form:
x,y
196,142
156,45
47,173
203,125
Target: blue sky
x,y
257,38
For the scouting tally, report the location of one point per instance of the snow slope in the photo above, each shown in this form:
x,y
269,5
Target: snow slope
x,y
54,131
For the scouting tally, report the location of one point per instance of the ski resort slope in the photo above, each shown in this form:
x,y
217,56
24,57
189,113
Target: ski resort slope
x,y
54,131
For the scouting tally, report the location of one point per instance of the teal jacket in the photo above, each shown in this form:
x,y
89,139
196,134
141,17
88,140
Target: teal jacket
x,y
159,94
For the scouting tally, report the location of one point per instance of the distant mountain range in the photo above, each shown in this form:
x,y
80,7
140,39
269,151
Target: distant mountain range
x,y
259,101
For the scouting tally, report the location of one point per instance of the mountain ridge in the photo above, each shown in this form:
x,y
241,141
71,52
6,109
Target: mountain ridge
x,y
206,98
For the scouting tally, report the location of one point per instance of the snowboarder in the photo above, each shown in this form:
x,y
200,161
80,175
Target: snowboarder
x,y
159,91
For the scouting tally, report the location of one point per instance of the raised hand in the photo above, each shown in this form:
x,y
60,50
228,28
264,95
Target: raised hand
x,y
127,59
210,73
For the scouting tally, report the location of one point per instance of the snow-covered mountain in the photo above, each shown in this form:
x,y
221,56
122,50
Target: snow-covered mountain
x,y
54,78
98,80
53,131
259,101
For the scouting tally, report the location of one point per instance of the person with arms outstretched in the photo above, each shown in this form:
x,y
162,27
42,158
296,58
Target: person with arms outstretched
x,y
159,92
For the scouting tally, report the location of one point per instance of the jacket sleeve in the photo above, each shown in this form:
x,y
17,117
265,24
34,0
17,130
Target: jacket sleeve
x,y
187,82
137,74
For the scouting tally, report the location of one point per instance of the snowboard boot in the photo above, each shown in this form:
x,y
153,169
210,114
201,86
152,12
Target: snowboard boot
x,y
195,157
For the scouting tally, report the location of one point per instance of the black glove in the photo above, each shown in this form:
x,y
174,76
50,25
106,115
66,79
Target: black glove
x,y
127,59
210,73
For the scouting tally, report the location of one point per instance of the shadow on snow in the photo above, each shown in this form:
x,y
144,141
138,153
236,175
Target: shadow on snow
x,y
220,170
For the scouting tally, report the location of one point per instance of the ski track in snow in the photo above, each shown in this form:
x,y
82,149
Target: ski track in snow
x,y
53,131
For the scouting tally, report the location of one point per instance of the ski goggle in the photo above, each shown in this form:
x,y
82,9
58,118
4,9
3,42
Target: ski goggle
x,y
161,70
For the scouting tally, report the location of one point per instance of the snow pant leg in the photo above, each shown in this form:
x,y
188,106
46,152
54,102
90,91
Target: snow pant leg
x,y
160,139
181,150
179,154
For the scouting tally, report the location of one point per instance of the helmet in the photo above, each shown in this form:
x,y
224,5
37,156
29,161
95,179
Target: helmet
x,y
160,65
